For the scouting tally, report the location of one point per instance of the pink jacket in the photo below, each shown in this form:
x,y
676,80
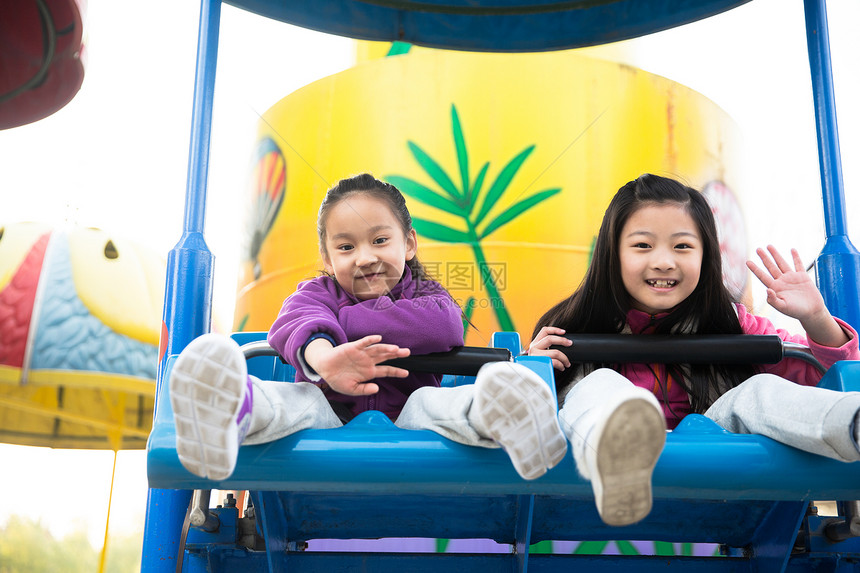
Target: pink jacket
x,y
643,375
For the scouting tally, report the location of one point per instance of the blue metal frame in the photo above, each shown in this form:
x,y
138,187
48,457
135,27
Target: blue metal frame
x,y
188,309
838,265
188,290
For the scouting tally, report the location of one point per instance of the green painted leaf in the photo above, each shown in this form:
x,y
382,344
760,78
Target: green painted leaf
x,y
687,549
242,323
544,547
664,548
462,154
469,307
434,170
516,210
591,250
501,183
439,232
398,48
424,194
626,548
468,310
590,548
475,191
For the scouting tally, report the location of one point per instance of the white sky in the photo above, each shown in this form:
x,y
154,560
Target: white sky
x,y
116,158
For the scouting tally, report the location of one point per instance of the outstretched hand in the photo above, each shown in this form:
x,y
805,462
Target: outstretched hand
x,y
346,368
791,291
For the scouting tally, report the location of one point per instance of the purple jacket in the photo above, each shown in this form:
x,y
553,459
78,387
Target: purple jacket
x,y
419,315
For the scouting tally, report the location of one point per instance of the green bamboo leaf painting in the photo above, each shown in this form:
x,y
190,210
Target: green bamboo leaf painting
x,y
468,310
434,170
517,209
425,195
475,192
439,232
591,250
500,185
399,48
462,201
462,155
242,323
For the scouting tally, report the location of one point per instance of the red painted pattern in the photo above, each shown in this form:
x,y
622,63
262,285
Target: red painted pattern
x,y
16,305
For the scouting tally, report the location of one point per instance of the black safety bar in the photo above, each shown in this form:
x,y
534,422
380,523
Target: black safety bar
x,y
460,361
610,348
685,349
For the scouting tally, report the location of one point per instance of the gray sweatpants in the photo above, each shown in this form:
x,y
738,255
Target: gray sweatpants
x,y
812,419
283,408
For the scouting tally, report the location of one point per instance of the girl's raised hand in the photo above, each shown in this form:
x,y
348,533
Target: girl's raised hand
x,y
346,368
551,336
790,290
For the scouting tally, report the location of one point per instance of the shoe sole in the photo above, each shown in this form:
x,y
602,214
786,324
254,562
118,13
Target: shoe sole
x,y
627,451
207,386
519,412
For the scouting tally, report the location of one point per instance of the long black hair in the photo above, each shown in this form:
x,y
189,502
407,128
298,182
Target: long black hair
x,y
600,303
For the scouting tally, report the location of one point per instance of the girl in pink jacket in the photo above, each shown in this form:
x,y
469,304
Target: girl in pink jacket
x,y
657,269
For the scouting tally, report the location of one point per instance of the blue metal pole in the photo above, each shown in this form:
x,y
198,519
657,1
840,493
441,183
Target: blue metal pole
x,y
188,290
838,265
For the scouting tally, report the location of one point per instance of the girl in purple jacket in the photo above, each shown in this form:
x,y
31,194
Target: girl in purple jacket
x,y
375,303
657,269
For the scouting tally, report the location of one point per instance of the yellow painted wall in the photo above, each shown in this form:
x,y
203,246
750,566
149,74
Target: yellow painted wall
x,y
594,125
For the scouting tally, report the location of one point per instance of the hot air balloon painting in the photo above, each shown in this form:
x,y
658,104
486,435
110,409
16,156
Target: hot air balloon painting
x,y
80,317
269,181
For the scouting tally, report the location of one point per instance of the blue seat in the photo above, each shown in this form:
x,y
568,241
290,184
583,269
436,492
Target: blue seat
x,y
370,479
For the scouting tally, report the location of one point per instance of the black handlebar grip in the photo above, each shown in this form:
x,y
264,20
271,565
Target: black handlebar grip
x,y
675,349
460,361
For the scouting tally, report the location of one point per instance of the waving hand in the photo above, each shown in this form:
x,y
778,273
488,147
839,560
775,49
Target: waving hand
x,y
791,291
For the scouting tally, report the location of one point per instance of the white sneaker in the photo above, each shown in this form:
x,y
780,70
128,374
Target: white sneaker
x,y
516,407
621,452
211,396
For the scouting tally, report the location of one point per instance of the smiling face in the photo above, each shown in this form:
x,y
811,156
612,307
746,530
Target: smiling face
x,y
365,247
660,251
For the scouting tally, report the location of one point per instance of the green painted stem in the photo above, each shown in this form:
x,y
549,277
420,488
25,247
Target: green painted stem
x,y
505,322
